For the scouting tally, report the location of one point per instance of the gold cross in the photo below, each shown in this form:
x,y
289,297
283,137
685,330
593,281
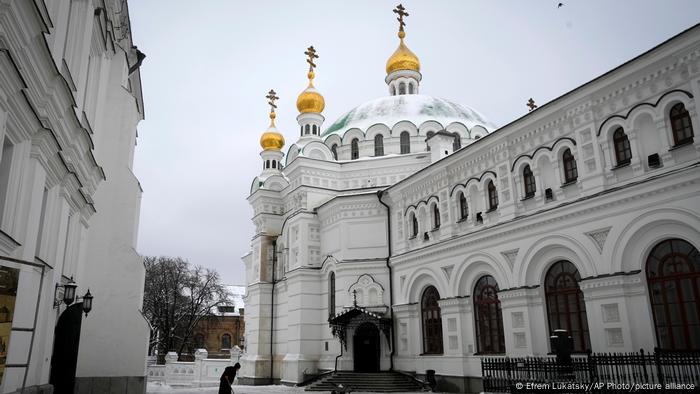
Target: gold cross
x,y
531,104
272,96
311,53
401,12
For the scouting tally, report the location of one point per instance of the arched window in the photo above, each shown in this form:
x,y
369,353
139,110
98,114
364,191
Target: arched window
x,y
529,182
354,149
267,163
331,295
414,225
673,275
379,145
226,341
393,90
301,130
428,135
570,169
334,150
681,125
307,129
457,144
405,142
274,163
493,196
489,319
623,152
565,307
402,88
410,88
313,129
463,208
436,216
432,321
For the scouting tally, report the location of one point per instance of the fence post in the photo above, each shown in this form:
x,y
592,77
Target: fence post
x,y
170,358
659,369
199,356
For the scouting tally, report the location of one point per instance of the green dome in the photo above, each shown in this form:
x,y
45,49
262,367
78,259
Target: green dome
x,y
415,108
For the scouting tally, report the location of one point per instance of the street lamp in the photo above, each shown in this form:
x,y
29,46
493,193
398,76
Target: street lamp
x,y
69,296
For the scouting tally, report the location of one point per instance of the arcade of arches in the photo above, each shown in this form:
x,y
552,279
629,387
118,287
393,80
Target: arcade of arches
x,y
673,279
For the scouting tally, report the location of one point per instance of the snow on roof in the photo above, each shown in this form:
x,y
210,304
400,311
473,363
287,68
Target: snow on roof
x,y
237,294
415,108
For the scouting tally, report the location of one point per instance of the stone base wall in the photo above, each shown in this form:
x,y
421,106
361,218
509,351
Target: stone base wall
x,y
457,384
110,384
42,389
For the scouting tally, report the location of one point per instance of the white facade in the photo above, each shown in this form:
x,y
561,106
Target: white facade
x,y
70,101
353,218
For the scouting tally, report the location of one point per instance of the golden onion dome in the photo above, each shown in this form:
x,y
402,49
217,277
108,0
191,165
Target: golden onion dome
x,y
272,139
402,58
310,100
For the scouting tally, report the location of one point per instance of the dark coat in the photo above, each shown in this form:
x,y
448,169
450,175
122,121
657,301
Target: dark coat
x,y
227,378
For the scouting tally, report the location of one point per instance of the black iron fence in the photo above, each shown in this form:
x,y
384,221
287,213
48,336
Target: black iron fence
x,y
658,372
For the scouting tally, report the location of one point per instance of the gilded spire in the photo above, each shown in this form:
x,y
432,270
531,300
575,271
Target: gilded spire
x,y
310,100
403,58
272,139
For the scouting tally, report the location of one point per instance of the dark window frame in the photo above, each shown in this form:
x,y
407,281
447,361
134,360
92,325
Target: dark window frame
x,y
570,167
622,147
436,216
379,145
405,140
681,125
529,182
431,321
562,291
354,149
463,207
488,317
493,196
673,280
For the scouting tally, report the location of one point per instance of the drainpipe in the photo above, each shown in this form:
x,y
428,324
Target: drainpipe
x,y
380,193
272,310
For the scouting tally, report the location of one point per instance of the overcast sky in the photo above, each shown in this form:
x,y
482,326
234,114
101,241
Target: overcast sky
x,y
210,64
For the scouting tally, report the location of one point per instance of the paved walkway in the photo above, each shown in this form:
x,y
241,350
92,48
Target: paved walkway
x,y
156,388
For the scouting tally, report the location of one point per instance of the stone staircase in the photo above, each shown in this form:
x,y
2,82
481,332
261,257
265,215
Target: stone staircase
x,y
381,382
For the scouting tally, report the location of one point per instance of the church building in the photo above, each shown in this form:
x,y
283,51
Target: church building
x,y
413,234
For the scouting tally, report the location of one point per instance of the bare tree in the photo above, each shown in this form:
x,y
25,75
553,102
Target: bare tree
x,y
176,297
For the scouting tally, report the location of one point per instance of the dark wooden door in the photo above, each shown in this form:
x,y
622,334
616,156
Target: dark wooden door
x,y
64,359
366,348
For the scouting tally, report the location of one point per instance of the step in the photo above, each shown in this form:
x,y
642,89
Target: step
x,y
372,381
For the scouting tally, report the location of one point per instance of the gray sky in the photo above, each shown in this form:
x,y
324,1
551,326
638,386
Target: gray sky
x,y
210,63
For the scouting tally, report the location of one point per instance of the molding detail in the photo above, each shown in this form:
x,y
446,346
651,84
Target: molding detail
x,y
599,236
447,270
510,256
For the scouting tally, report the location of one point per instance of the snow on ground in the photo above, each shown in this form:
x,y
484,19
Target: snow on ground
x,y
162,388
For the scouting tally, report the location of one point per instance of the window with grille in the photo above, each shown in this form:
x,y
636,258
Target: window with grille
x,y
673,276
488,317
565,306
432,321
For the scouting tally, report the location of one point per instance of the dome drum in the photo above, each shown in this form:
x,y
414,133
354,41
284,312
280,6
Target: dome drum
x,y
403,73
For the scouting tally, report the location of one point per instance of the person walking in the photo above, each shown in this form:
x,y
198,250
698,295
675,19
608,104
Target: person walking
x,y
226,380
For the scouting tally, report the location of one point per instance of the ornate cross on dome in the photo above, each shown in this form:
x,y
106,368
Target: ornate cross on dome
x,y
311,53
401,12
272,96
531,104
